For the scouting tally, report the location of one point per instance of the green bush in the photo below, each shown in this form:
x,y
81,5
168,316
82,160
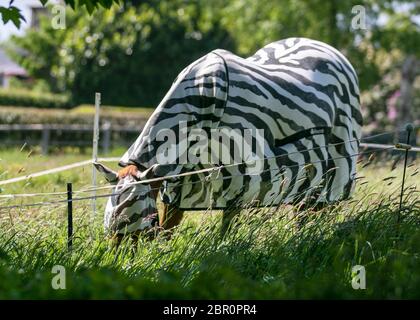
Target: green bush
x,y
82,115
13,97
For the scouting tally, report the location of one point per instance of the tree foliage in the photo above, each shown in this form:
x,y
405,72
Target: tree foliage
x,y
131,55
377,51
13,14
132,51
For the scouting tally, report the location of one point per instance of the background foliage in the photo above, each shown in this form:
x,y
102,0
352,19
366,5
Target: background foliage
x,y
16,97
131,51
131,55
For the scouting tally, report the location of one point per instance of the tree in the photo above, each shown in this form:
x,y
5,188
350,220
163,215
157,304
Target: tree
x,y
130,54
13,14
388,39
377,50
403,34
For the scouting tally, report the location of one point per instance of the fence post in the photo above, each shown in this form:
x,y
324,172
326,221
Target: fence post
x,y
106,138
45,140
409,128
69,216
95,151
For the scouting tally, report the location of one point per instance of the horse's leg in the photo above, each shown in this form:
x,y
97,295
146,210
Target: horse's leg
x,y
170,218
227,220
116,240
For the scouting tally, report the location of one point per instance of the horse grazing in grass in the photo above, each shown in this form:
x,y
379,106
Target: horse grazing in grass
x,y
291,118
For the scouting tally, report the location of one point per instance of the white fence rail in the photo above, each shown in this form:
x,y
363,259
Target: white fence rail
x,y
55,170
44,133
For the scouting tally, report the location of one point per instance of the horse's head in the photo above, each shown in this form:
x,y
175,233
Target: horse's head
x,y
132,206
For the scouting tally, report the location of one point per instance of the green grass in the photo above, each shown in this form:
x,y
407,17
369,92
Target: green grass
x,y
265,256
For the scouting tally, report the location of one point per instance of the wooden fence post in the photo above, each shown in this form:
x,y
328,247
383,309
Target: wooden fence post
x,y
45,140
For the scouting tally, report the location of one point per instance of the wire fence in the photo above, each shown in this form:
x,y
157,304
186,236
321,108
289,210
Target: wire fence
x,y
66,198
373,148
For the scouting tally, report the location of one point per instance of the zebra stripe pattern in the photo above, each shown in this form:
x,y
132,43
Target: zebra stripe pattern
x,y
301,93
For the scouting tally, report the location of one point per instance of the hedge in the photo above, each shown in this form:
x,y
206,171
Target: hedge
x,y
25,98
27,115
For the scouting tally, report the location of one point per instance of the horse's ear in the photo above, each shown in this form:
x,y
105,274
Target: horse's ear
x,y
147,174
110,175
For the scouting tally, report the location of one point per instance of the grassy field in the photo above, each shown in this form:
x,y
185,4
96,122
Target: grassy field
x,y
265,257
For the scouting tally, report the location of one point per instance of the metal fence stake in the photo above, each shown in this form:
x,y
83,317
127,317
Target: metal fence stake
x,y
409,128
95,150
69,216
95,159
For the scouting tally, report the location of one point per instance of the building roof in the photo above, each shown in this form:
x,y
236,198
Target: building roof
x,y
9,67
